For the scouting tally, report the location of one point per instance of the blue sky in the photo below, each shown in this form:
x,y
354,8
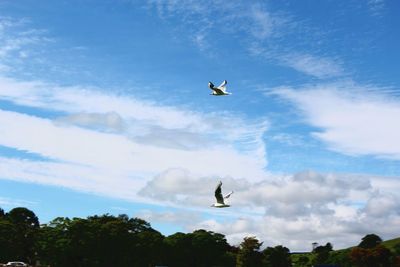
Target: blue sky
x,y
104,108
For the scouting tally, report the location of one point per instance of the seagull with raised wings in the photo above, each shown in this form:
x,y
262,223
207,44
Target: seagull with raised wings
x,y
220,90
220,199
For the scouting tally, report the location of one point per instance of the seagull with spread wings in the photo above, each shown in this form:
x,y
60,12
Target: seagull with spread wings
x,y
220,90
220,199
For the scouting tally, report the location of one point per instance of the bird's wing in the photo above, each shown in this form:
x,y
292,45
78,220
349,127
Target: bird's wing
x,y
211,85
223,86
228,195
218,194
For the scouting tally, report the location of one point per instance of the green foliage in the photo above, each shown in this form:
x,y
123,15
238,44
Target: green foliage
x,y
322,253
278,256
340,257
19,228
103,241
392,244
100,241
8,247
201,248
249,254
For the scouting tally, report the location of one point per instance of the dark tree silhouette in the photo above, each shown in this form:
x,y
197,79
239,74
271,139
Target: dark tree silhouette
x,y
249,254
378,256
278,256
370,241
322,253
26,224
8,247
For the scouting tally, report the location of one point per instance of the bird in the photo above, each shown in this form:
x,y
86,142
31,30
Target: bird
x,y
220,90
220,199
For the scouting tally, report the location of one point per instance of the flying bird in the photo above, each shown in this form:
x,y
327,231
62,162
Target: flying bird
x,y
220,199
220,90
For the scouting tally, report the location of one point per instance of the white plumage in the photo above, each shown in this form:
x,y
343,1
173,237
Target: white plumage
x,y
220,90
220,199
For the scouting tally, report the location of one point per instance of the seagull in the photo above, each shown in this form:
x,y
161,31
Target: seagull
x,y
220,199
220,90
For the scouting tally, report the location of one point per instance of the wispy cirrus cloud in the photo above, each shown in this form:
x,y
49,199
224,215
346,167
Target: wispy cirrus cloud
x,y
17,42
262,28
376,6
353,119
317,66
12,202
208,18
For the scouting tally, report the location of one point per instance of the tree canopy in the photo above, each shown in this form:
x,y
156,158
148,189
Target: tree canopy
x,y
107,240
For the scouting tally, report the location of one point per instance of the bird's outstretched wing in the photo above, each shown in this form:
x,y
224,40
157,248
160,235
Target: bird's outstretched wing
x,y
223,84
228,195
218,194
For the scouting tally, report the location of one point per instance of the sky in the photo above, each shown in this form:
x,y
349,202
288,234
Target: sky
x,y
105,108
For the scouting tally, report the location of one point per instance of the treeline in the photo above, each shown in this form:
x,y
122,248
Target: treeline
x,y
108,241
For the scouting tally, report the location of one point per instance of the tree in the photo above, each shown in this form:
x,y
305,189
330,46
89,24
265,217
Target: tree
x,y
53,244
278,256
303,261
27,225
179,249
378,256
209,247
322,253
370,241
249,254
8,249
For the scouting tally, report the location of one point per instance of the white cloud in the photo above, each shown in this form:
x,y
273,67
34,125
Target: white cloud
x,y
376,7
16,43
109,121
382,204
261,26
253,19
13,202
302,194
320,67
111,145
175,217
293,210
351,119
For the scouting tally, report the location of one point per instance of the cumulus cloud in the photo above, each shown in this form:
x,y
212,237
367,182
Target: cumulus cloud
x,y
302,194
180,186
352,120
380,205
294,210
